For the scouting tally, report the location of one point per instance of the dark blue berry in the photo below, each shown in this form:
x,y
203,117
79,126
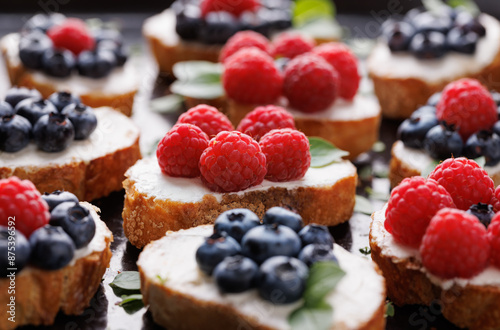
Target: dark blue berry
x,y
484,213
483,143
113,35
462,41
15,132
63,99
76,221
32,47
33,109
398,35
214,250
282,216
282,280
188,22
425,110
412,131
219,26
443,142
17,94
236,222
83,119
53,132
249,20
18,247
428,45
428,22
315,234
96,64
58,62
496,126
279,19
58,197
412,13
51,248
43,22
120,51
263,242
6,109
468,23
317,252
434,100
236,274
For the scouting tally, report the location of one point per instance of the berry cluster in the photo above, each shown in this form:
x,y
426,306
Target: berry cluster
x,y
461,120
272,256
309,77
265,145
429,35
58,46
449,217
215,21
53,123
42,239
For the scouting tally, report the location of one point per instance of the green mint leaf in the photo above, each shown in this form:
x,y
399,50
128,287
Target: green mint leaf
x,y
167,104
130,298
198,89
363,205
132,303
323,278
468,5
309,10
389,309
481,161
378,146
191,70
161,279
128,280
321,28
366,250
311,318
324,153
429,168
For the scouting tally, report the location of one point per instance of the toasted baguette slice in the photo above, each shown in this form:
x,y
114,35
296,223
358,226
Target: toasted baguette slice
x,y
175,290
116,90
156,203
468,303
403,83
407,162
41,294
90,168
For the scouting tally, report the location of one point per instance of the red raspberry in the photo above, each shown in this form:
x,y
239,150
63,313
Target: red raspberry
x,y
495,199
455,244
468,105
73,35
179,151
345,62
209,119
411,206
494,239
264,119
22,203
251,77
244,39
310,84
465,180
233,161
290,45
287,154
231,6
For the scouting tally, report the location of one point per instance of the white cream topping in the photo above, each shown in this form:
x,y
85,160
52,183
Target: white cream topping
x,y
172,260
384,63
114,131
399,252
121,80
151,181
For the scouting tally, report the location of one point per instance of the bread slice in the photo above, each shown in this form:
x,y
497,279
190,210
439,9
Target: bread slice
x,y
156,203
468,303
41,294
116,90
403,83
90,168
175,290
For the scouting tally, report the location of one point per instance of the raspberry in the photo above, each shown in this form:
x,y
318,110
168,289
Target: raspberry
x,y
411,206
209,119
468,105
465,180
287,154
179,151
251,77
233,7
345,62
233,161
264,119
495,199
73,35
244,39
455,244
494,239
310,84
21,203
290,45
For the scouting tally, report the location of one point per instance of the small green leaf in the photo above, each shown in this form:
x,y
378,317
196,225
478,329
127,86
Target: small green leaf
x,y
167,104
324,153
198,90
378,195
363,205
429,168
128,280
311,318
130,298
321,28
389,309
309,10
161,279
323,278
481,161
191,70
366,250
378,146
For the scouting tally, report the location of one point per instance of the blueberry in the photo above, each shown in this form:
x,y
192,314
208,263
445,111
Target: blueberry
x,y
57,197
53,132
76,221
32,47
468,23
58,62
15,132
263,242
112,35
214,250
279,19
483,143
496,97
282,280
63,99
434,100
249,20
19,247
219,26
17,94
427,22
398,35
120,51
315,234
282,216
317,252
412,13
34,108
236,222
443,142
6,109
236,274
51,248
96,64
428,45
483,212
188,22
43,22
412,131
83,119
496,126
424,110
462,41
